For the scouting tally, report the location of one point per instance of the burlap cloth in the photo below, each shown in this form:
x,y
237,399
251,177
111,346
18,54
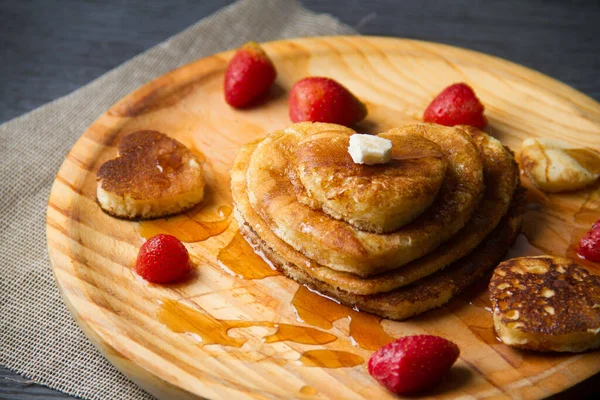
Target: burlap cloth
x,y
38,337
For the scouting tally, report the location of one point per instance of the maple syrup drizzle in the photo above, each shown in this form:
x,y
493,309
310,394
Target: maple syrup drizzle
x,y
330,359
298,334
188,227
403,153
308,390
486,334
587,158
239,259
197,152
180,318
477,295
583,217
589,212
317,310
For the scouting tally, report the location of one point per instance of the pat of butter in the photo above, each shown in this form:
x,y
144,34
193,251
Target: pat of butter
x,y
369,149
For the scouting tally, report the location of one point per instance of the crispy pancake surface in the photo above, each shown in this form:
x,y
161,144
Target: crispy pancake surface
x,y
501,177
152,176
425,294
271,184
330,181
402,289
546,303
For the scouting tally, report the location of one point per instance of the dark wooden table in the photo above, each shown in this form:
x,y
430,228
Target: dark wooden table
x,y
50,48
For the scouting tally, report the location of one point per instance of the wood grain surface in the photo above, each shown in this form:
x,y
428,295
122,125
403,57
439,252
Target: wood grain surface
x,y
552,36
166,331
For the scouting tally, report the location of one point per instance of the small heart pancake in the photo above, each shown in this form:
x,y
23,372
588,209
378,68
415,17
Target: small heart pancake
x,y
153,176
546,303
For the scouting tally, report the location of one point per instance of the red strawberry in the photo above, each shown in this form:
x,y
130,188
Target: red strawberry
x,y
319,99
589,245
413,363
163,259
456,105
249,75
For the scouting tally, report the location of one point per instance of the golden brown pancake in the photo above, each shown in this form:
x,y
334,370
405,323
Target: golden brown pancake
x,y
272,189
152,176
309,180
327,179
424,294
546,303
501,177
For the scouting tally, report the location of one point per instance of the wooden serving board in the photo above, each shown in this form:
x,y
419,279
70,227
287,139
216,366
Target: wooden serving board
x,y
236,329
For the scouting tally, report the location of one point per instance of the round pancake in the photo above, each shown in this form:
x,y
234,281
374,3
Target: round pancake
x,y
427,293
339,245
546,303
501,177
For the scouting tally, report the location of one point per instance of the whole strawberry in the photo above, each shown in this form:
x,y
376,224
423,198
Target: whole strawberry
x,y
320,99
413,363
249,76
163,259
456,105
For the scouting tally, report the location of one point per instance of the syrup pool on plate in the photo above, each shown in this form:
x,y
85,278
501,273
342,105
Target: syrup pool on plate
x,y
239,259
181,318
320,311
330,359
191,226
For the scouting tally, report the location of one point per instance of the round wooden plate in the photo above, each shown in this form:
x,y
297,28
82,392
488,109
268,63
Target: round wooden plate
x,y
270,338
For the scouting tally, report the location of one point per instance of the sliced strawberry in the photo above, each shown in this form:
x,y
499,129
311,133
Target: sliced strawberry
x,y
456,105
163,259
319,99
249,76
589,245
413,363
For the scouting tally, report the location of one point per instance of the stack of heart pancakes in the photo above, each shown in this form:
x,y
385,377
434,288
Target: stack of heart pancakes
x,y
393,239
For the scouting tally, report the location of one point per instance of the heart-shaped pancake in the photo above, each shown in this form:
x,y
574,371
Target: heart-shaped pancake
x,y
291,179
546,303
152,176
377,198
